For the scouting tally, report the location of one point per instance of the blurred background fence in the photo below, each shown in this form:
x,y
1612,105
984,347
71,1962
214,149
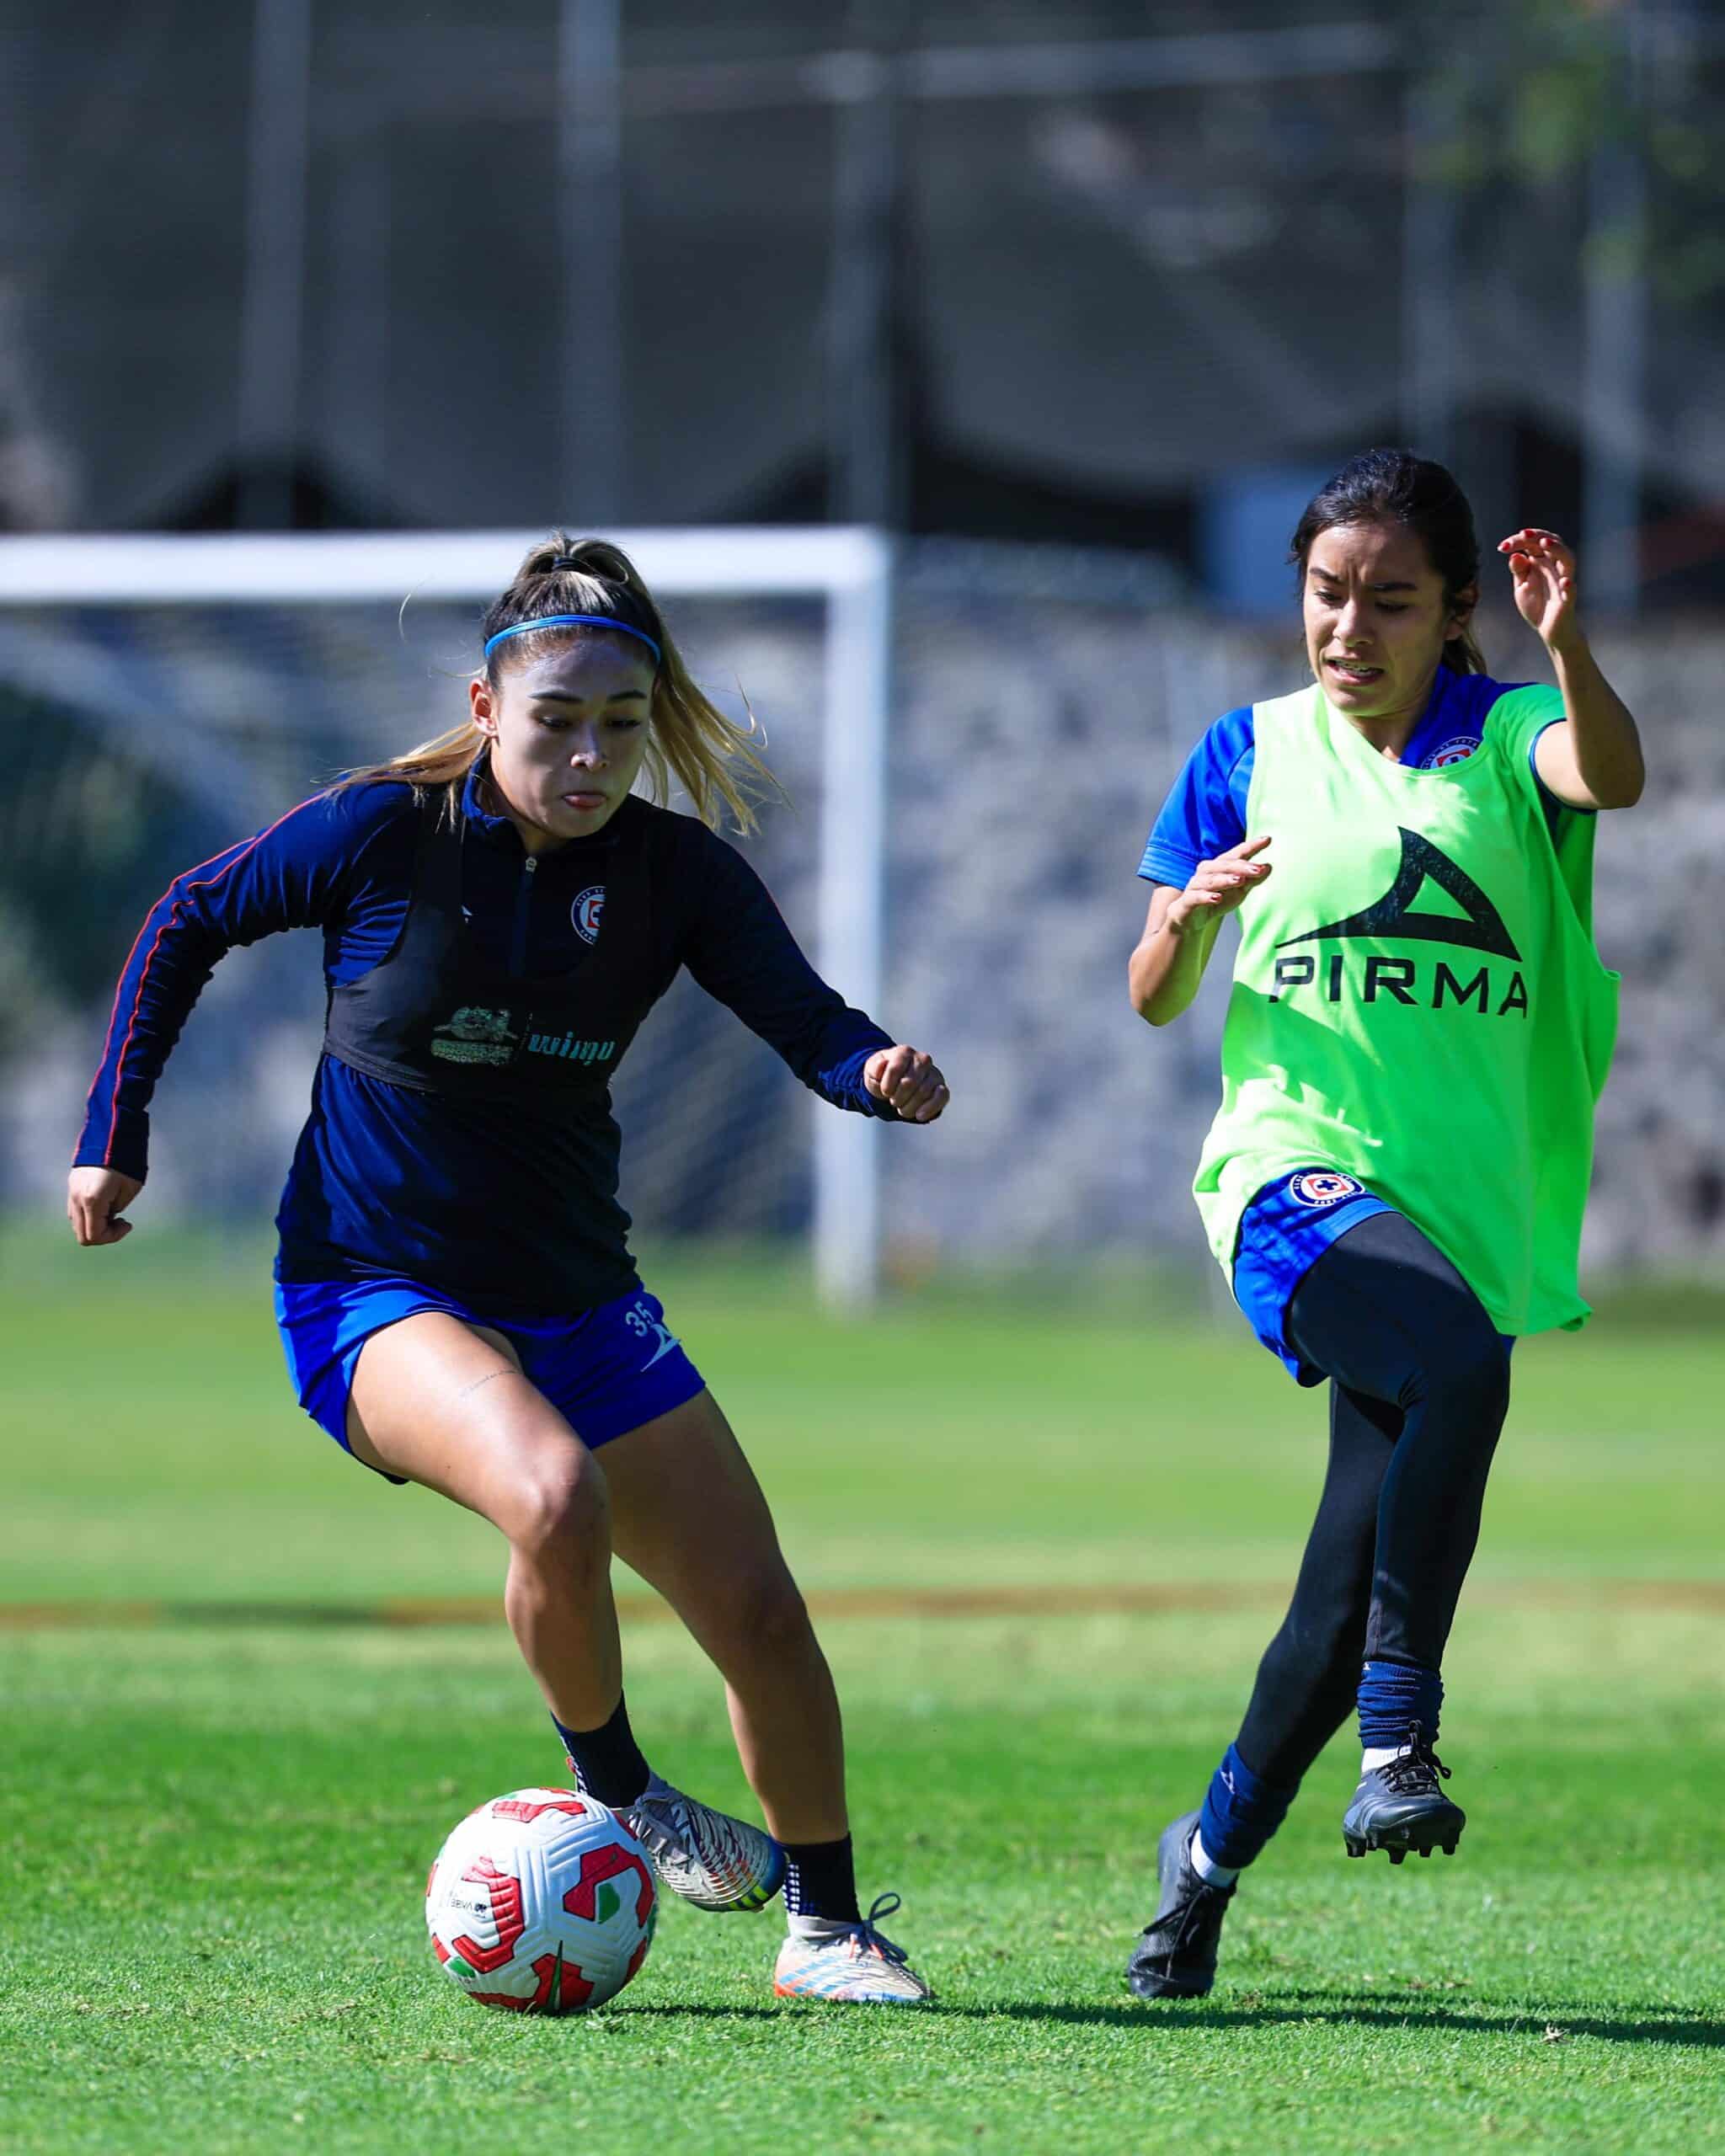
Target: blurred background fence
x,y
1076,299
1044,701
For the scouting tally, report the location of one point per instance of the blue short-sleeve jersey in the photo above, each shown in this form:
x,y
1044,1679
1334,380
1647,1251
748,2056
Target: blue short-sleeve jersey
x,y
1285,1229
1205,812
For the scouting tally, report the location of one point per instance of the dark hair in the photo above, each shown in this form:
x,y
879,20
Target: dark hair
x,y
1393,486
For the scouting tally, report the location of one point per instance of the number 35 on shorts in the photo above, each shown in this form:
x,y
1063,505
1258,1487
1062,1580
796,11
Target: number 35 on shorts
x,y
641,1320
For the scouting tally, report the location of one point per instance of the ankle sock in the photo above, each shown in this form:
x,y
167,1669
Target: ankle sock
x,y
1240,1811
1395,1695
1206,1866
820,1882
607,1763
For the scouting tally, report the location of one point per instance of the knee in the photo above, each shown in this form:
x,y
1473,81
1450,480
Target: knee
x,y
1468,1383
558,1507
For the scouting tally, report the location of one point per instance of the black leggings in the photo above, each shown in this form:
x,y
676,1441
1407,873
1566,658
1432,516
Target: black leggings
x,y
1419,1387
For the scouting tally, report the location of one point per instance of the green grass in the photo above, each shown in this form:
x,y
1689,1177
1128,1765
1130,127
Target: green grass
x,y
218,1832
153,1448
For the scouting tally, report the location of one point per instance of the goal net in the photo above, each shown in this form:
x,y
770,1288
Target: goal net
x,y
163,697
965,872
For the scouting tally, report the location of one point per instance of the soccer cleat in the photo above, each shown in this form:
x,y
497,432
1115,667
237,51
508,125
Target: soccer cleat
x,y
1176,1955
706,1856
1399,1806
856,1966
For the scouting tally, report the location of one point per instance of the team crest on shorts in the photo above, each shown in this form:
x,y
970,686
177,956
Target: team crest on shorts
x,y
1317,1187
585,911
1453,752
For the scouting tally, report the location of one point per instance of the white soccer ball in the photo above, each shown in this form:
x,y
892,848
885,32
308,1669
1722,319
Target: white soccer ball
x,y
541,1902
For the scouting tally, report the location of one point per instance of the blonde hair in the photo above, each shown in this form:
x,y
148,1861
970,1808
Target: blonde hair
x,y
712,758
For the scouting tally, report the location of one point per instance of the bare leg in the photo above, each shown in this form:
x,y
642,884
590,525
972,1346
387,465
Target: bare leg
x,y
446,1405
690,1518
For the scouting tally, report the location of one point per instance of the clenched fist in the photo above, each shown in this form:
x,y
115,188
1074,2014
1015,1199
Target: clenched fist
x,y
907,1081
95,1198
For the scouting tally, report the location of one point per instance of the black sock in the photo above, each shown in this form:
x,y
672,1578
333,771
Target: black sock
x,y
608,1761
820,1880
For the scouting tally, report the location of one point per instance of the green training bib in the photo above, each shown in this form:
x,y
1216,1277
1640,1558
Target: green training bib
x,y
1418,1002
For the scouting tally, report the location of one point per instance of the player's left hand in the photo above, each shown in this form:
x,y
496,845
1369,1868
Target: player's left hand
x,y
907,1081
1543,566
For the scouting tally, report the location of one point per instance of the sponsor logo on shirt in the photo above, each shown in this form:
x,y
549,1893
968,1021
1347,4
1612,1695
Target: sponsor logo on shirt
x,y
1453,752
1393,915
571,1050
585,912
1323,1187
475,1035
1394,918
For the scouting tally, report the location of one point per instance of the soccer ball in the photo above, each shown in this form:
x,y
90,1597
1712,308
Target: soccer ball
x,y
541,1902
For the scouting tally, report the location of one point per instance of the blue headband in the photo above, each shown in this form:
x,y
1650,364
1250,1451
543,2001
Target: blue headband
x,y
570,621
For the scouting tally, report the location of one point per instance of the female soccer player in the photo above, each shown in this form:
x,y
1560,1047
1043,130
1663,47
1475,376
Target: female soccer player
x,y
500,910
1418,1031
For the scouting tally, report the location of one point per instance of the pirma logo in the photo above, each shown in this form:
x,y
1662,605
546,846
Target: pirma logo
x,y
1394,916
585,911
1453,752
1322,1187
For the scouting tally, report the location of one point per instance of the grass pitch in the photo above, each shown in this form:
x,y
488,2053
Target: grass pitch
x,y
219,1829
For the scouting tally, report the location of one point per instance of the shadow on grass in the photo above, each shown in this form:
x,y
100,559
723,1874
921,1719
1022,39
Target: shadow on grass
x,y
1693,2032
668,2010
1371,2011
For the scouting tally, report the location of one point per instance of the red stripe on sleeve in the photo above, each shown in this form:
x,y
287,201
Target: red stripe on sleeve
x,y
244,854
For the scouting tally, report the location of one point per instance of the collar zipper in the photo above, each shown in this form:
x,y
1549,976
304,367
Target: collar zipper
x,y
524,901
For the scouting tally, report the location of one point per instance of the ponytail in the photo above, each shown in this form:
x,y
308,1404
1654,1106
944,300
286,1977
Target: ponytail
x,y
713,759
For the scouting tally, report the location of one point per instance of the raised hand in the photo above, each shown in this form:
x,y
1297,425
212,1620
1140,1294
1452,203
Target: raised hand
x,y
1543,566
907,1081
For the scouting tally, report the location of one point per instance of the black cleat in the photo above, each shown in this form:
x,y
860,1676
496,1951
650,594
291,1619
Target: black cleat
x,y
1401,1807
1176,1956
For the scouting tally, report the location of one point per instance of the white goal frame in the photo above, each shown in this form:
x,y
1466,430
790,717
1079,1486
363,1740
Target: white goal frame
x,y
848,567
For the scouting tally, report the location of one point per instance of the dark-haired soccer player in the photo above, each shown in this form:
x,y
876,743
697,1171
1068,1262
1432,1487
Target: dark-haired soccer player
x,y
1419,1031
500,910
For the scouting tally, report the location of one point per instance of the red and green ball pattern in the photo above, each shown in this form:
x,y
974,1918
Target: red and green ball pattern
x,y
541,1902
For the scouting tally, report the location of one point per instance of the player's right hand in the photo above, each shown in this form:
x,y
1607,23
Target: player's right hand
x,y
95,1198
1218,886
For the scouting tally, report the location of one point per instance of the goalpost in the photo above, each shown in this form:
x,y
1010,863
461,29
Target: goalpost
x,y
848,567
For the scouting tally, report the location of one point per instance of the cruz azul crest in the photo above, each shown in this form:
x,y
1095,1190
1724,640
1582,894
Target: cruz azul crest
x,y
1320,1187
585,913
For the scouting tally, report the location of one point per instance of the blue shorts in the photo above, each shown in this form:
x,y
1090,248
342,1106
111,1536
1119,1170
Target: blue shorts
x,y
605,1371
1286,1228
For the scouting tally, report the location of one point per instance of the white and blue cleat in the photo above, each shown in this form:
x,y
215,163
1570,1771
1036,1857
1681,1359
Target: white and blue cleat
x,y
852,1963
705,1856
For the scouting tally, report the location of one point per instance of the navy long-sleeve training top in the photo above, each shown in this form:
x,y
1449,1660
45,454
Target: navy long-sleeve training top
x,y
512,1205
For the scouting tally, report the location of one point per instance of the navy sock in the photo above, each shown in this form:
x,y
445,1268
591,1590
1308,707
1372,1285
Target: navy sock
x,y
1240,1811
1394,1695
606,1761
820,1880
